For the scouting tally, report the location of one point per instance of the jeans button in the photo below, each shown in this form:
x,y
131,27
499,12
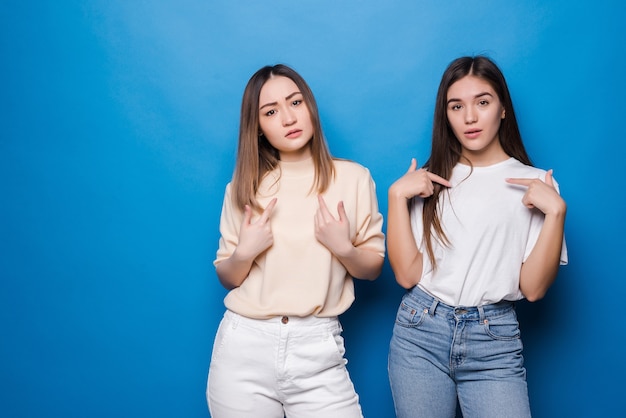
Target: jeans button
x,y
284,319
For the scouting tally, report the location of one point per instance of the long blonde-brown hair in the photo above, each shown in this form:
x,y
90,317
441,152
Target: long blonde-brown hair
x,y
256,156
446,148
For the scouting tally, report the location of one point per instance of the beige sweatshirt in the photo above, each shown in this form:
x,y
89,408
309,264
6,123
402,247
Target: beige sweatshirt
x,y
298,276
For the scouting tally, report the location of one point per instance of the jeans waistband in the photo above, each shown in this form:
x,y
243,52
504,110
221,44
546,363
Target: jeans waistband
x,y
437,307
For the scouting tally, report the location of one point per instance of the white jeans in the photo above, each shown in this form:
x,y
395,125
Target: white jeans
x,y
283,366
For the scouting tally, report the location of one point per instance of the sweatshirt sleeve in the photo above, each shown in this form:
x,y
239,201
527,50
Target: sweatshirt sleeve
x,y
369,226
230,223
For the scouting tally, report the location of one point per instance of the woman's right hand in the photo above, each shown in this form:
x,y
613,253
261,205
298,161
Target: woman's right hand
x,y
416,183
255,237
404,256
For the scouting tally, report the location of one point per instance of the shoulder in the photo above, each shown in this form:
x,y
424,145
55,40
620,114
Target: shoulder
x,y
228,190
228,196
350,168
530,172
516,168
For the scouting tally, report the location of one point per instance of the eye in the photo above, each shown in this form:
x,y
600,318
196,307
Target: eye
x,y
483,103
270,112
296,102
455,106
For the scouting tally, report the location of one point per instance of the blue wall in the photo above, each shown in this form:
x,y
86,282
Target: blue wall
x,y
118,126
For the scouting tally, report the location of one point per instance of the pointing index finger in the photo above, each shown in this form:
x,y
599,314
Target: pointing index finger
x,y
520,181
438,179
323,211
268,210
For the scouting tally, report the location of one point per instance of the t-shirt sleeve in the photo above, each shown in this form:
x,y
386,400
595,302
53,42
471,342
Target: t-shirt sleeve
x,y
536,224
369,227
230,222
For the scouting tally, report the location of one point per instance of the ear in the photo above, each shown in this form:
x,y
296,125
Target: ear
x,y
503,114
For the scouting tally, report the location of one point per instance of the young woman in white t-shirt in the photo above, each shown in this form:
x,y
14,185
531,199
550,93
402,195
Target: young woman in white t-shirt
x,y
288,259
472,231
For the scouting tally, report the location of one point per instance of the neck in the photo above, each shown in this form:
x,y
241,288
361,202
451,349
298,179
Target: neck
x,y
484,157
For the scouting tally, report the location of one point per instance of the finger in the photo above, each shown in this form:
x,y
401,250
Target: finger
x,y
413,165
268,211
521,182
549,180
247,215
341,210
323,211
527,202
438,179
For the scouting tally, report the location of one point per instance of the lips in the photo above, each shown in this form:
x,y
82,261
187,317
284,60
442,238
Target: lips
x,y
472,133
294,133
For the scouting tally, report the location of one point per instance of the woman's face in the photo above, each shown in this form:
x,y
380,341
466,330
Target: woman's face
x,y
475,113
284,119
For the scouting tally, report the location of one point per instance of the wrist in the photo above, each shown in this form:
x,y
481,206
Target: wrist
x,y
558,211
396,194
345,251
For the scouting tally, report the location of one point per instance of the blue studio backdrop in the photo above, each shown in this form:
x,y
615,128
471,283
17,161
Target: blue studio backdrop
x,y
118,133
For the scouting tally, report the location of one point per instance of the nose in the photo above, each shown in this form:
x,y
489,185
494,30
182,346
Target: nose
x,y
289,117
470,115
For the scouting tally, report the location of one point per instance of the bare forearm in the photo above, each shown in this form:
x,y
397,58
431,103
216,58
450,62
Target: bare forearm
x,y
404,256
362,263
542,265
234,270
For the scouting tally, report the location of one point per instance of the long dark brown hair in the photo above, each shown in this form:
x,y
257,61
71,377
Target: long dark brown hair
x,y
446,148
256,156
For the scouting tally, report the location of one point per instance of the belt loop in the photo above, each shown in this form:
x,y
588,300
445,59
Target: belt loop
x,y
433,307
481,313
234,320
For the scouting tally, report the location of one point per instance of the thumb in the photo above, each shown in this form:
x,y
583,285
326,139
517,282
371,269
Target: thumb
x,y
549,181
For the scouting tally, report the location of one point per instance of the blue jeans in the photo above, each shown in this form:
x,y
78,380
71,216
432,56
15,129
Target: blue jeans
x,y
440,353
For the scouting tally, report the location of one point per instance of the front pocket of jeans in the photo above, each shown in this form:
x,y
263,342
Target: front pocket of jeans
x,y
504,327
410,317
223,333
312,354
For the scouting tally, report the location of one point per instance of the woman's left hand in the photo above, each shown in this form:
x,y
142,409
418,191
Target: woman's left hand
x,y
333,233
541,195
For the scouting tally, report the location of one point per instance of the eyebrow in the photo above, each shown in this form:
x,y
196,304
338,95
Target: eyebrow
x,y
275,103
475,97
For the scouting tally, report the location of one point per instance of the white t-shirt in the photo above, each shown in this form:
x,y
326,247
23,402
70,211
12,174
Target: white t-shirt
x,y
491,234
